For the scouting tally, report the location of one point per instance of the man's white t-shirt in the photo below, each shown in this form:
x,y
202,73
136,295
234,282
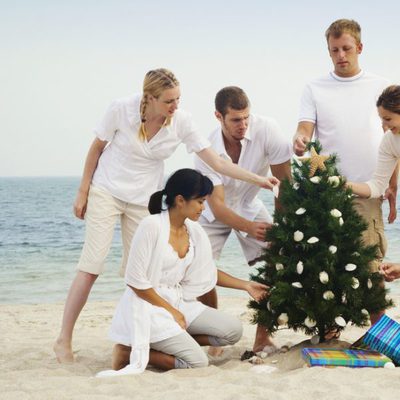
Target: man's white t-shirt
x,y
346,120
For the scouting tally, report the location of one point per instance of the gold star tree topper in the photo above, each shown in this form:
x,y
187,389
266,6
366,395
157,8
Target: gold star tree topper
x,y
316,161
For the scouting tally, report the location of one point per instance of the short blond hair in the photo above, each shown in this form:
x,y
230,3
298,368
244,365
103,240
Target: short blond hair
x,y
155,82
337,28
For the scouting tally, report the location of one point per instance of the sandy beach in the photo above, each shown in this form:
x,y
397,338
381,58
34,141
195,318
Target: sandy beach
x,y
28,369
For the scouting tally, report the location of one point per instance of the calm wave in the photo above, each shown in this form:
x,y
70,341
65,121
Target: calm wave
x,y
41,240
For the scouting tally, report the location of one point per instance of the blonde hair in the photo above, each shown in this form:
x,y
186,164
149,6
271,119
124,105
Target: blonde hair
x,y
155,82
337,28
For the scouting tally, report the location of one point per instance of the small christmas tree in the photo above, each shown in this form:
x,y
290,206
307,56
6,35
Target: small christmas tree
x,y
317,266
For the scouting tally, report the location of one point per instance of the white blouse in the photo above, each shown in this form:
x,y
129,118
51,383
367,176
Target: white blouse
x,y
129,168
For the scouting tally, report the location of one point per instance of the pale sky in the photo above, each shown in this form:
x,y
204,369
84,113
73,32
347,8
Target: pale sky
x,y
62,62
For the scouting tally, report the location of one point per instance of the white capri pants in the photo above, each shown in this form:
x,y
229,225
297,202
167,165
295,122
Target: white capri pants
x,y
102,213
218,233
221,329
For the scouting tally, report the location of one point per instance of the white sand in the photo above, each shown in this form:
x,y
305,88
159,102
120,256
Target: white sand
x,y
28,369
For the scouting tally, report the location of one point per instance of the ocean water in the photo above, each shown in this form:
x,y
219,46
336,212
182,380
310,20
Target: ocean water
x,y
41,240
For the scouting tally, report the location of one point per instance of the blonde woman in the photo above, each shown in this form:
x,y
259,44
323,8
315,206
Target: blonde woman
x,y
124,166
389,154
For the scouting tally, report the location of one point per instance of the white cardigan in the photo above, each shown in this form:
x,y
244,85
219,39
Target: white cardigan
x,y
144,272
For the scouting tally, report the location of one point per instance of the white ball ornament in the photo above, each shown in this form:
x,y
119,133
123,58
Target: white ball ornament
x,y
334,181
324,277
336,213
298,236
350,267
328,295
279,267
309,323
389,365
333,249
300,267
300,211
283,319
369,284
341,222
296,186
297,285
315,179
340,321
313,240
355,283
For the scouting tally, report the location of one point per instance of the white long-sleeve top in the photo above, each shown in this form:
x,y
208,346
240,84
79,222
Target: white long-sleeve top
x,y
145,270
389,154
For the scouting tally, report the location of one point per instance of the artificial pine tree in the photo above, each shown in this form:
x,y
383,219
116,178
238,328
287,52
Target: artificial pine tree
x,y
317,266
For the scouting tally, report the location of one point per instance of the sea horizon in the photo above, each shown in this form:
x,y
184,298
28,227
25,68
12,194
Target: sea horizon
x,y
41,240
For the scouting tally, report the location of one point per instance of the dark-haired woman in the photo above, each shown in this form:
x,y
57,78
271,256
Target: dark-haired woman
x,y
389,154
158,319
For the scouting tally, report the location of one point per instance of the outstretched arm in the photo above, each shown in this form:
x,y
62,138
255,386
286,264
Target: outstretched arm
x,y
228,217
391,194
228,168
390,271
256,290
360,189
92,159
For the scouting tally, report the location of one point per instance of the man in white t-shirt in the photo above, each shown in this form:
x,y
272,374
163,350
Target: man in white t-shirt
x,y
254,143
339,109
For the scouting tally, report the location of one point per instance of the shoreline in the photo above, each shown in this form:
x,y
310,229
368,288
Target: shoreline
x,y
29,370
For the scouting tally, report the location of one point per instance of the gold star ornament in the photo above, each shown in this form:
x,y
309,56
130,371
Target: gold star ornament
x,y
316,161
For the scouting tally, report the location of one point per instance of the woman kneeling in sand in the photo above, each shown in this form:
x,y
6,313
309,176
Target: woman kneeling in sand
x,y
158,320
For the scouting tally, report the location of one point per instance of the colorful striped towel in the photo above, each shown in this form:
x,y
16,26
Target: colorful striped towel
x,y
344,358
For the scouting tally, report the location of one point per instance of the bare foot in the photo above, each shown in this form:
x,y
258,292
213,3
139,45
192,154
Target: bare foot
x,y
332,334
215,351
63,351
262,340
120,356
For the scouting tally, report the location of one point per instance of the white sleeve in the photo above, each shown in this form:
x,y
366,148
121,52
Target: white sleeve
x,y
140,254
387,162
277,147
189,134
206,170
308,109
108,126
